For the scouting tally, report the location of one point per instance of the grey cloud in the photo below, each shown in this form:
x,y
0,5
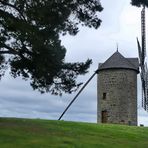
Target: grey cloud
x,y
17,99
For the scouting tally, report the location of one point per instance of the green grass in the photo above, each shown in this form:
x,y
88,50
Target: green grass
x,y
35,133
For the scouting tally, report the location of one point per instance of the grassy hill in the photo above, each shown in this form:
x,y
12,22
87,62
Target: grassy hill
x,y
35,133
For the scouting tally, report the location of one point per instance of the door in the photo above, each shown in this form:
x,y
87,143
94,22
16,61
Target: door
x,y
104,116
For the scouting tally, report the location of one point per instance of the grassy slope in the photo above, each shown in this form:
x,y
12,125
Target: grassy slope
x,y
25,133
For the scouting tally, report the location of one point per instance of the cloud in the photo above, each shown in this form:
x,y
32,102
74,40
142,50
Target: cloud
x,y
120,24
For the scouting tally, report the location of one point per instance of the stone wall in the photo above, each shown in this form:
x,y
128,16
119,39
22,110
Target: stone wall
x,y
119,87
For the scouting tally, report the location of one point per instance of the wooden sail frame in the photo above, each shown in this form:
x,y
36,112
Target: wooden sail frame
x,y
143,64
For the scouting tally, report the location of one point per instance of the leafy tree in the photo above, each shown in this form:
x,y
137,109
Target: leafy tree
x,y
138,3
30,43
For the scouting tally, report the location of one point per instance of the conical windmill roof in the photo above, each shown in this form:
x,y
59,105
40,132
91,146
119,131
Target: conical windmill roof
x,y
118,61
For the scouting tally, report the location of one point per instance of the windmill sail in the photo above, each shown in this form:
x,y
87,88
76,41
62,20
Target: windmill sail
x,y
146,85
143,64
143,35
139,51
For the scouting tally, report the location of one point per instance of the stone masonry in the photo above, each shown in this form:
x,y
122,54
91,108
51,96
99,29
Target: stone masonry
x,y
117,90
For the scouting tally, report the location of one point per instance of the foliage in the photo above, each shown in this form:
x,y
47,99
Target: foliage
x,y
35,133
30,42
138,3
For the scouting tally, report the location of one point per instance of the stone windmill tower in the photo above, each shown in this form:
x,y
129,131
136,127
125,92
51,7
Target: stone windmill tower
x,y
117,90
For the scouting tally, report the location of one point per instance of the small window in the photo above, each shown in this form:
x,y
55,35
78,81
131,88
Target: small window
x,y
104,96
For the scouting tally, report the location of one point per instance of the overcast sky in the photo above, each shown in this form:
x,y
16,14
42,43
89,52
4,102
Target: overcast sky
x,y
120,24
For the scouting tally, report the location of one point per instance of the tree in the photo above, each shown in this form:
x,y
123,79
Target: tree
x,y
138,3
30,45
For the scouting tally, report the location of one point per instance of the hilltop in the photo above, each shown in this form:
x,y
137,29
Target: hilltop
x,y
37,133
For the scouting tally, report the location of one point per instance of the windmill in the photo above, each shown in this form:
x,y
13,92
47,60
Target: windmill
x,y
143,64
143,69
